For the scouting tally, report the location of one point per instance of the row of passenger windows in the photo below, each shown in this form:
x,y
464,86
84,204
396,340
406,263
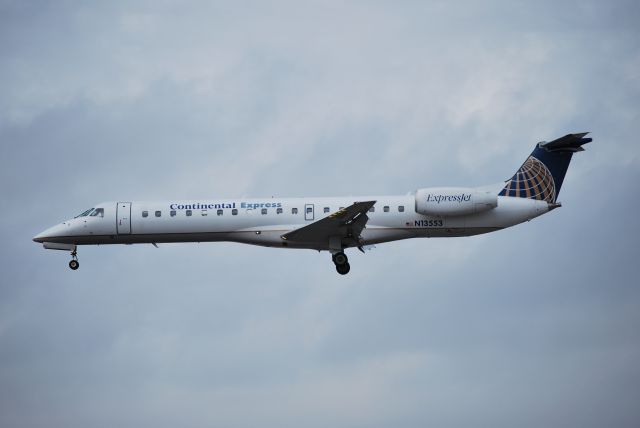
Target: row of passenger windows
x,y
189,213
386,209
263,211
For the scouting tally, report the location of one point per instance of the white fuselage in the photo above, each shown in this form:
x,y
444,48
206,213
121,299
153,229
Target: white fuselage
x,y
329,224
264,221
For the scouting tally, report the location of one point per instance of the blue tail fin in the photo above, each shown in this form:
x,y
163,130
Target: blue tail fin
x,y
541,175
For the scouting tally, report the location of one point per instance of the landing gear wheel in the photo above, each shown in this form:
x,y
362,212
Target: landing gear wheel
x,y
343,269
342,262
74,264
340,258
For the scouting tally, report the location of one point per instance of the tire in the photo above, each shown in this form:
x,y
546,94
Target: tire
x,y
343,269
73,264
340,259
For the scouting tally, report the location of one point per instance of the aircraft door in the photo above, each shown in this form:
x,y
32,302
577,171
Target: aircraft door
x,y
123,218
308,212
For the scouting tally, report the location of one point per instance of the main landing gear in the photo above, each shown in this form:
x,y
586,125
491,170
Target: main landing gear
x,y
74,264
342,263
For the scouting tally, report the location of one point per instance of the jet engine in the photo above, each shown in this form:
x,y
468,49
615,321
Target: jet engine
x,y
453,201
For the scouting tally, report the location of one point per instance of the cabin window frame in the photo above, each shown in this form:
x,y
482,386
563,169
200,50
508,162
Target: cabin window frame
x,y
97,212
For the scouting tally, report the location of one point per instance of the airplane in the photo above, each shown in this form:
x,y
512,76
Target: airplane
x,y
331,224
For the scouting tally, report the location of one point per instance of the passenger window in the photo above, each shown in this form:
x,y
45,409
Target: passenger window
x,y
145,213
309,210
219,212
294,211
401,208
98,212
372,209
204,213
386,208
188,212
158,213
264,211
172,213
234,211
279,211
326,209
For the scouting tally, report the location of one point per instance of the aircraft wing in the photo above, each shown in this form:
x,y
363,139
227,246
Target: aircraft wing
x,y
345,224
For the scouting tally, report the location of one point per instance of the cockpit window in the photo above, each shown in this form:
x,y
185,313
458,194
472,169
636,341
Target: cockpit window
x,y
86,213
98,212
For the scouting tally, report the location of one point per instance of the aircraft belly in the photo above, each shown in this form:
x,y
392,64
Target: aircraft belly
x,y
379,235
148,238
263,238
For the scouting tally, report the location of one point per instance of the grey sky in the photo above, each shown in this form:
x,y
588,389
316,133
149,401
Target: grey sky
x,y
532,326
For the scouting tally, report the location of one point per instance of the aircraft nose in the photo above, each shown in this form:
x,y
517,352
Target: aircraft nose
x,y
50,233
42,236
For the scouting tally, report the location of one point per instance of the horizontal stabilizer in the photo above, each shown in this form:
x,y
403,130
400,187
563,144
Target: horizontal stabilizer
x,y
568,143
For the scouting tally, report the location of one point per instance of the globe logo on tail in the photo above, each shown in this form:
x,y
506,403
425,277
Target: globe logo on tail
x,y
533,181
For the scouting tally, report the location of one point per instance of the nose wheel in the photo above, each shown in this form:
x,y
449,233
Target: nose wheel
x,y
342,263
74,264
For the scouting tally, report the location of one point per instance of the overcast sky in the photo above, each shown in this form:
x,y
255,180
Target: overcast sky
x,y
532,326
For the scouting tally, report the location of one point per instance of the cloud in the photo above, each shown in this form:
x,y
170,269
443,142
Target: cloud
x,y
155,100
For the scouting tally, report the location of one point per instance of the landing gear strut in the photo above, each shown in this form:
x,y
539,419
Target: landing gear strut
x,y
74,264
342,263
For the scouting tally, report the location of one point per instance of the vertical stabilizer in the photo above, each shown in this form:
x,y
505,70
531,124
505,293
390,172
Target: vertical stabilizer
x,y
541,175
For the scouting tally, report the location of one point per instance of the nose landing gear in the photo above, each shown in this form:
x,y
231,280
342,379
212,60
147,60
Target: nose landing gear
x,y
74,264
342,263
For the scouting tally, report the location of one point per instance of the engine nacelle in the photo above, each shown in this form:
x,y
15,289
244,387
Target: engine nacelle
x,y
453,201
